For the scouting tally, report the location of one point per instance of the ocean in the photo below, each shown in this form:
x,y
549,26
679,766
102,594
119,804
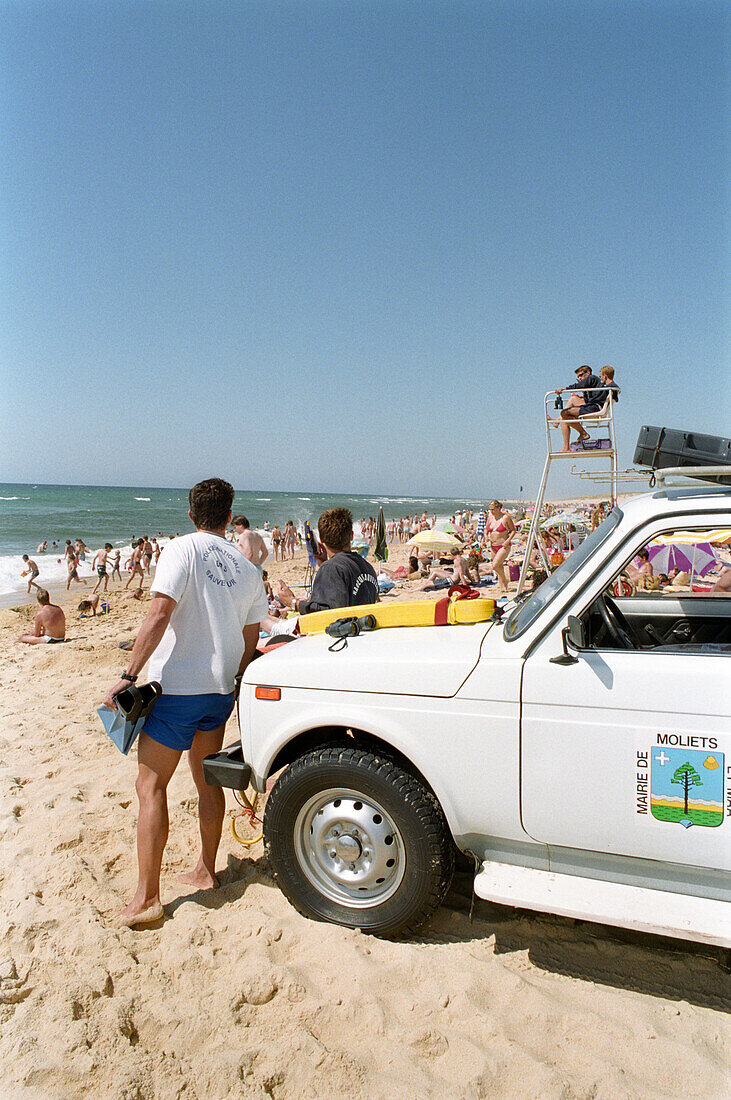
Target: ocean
x,y
117,514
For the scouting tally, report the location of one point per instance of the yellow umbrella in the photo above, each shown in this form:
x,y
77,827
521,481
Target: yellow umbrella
x,y
690,538
437,541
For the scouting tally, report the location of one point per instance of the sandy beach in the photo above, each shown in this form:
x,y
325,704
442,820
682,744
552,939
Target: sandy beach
x,y
234,994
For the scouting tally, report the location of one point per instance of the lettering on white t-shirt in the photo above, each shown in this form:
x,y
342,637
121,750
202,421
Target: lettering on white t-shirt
x,y
217,592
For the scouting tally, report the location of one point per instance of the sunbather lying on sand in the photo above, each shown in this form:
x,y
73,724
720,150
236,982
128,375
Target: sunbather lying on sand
x,y
460,574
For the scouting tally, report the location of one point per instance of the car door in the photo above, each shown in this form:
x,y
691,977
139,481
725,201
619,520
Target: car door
x,y
628,751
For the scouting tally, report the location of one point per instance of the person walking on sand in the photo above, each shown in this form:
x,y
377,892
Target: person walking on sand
x,y
147,552
277,540
100,564
72,565
49,625
32,568
135,563
290,540
249,542
500,531
198,636
115,560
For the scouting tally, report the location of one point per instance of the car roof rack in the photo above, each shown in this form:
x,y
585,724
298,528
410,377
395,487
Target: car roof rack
x,y
709,474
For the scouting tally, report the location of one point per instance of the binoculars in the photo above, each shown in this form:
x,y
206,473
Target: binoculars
x,y
350,627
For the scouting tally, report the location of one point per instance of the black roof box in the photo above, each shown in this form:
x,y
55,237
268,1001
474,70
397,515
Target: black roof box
x,y
664,448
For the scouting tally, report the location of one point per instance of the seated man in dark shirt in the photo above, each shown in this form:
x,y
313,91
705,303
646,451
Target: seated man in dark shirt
x,y
345,579
579,404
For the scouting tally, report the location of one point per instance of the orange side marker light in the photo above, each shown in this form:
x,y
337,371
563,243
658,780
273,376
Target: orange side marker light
x,y
274,694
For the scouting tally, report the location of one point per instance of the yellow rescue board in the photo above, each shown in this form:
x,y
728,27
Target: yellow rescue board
x,y
413,613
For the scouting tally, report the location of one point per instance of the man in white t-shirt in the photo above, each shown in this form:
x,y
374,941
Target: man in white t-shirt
x,y
199,634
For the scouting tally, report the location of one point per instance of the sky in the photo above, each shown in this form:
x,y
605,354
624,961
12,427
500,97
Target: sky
x,y
348,246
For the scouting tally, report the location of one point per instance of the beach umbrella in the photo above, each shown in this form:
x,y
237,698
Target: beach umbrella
x,y
481,524
563,518
721,535
449,528
436,541
697,559
380,552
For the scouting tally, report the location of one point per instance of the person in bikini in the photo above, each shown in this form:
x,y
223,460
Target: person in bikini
x,y
49,624
147,551
100,564
277,540
290,539
500,531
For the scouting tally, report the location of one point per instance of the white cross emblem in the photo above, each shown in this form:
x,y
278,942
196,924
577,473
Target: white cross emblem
x,y
662,759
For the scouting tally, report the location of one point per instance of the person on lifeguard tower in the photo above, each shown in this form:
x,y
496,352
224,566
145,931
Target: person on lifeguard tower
x,y
579,404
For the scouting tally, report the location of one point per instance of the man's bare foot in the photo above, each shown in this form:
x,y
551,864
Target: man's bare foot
x,y
132,915
200,877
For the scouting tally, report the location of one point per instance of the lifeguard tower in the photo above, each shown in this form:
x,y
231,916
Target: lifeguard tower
x,y
602,446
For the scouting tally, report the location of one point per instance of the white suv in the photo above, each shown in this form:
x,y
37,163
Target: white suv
x,y
579,750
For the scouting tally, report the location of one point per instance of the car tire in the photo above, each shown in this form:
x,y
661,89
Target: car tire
x,y
354,838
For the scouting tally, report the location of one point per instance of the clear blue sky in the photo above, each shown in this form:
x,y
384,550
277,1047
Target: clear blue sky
x,y
349,245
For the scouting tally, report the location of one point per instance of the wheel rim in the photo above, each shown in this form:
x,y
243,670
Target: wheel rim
x,y
349,848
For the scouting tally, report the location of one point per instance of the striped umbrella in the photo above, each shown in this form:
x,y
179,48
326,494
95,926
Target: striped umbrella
x,y
719,535
481,524
696,559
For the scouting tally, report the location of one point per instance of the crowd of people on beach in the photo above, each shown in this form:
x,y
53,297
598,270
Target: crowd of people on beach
x,y
207,615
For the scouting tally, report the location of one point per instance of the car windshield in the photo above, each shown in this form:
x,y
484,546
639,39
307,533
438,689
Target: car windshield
x,y
526,612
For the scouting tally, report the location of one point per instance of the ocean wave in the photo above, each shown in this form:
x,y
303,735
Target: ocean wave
x,y
263,498
142,498
9,498
52,571
304,498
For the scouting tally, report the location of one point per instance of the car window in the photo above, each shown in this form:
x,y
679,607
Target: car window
x,y
672,595
679,562
528,611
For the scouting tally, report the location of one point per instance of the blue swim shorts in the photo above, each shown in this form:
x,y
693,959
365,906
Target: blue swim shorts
x,y
175,719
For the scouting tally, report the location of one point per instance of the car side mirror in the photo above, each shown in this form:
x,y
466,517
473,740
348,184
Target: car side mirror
x,y
573,635
576,632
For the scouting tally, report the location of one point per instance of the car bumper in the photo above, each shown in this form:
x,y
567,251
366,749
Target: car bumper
x,y
227,768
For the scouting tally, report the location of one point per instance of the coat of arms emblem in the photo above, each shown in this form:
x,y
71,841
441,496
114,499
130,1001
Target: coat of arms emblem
x,y
686,785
